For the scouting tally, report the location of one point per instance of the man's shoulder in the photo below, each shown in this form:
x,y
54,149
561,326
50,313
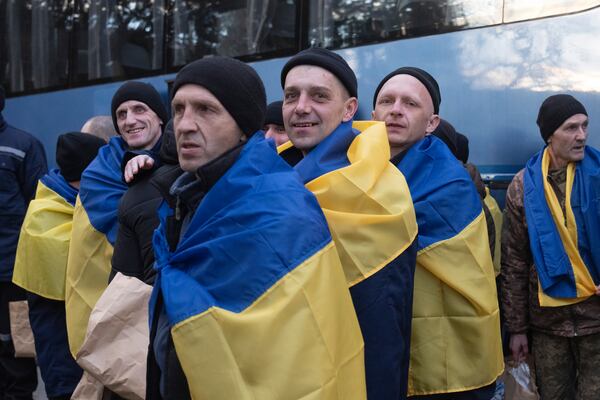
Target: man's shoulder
x,y
17,138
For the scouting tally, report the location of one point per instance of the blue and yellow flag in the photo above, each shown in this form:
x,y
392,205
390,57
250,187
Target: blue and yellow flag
x,y
456,342
95,227
365,199
564,247
254,293
498,218
41,260
372,220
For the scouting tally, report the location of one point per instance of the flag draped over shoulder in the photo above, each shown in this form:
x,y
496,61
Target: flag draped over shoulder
x,y
496,212
564,247
254,292
456,326
94,232
41,259
365,199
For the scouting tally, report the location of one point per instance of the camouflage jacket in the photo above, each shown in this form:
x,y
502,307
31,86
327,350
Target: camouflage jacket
x,y
519,277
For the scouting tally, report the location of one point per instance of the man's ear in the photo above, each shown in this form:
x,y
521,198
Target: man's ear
x,y
350,108
433,123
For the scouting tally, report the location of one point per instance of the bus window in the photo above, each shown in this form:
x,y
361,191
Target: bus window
x,y
347,23
117,39
33,55
519,10
234,28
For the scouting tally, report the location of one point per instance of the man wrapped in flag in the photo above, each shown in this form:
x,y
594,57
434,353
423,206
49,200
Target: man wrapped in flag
x,y
41,260
139,116
366,202
551,256
455,349
250,301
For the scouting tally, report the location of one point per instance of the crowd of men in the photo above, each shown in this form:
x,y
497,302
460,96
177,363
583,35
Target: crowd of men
x,y
296,253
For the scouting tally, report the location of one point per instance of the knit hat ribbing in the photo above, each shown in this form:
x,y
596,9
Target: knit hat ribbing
x,y
236,85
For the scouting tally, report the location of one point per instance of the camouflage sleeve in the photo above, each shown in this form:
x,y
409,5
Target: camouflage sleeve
x,y
516,259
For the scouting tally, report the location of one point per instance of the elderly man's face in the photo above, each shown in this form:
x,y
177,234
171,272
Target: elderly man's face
x,y
314,103
567,143
139,126
404,104
204,129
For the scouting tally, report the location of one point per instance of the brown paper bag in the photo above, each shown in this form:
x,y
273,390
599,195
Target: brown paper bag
x,y
116,344
88,388
20,329
519,380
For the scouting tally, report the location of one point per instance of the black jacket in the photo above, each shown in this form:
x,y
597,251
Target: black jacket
x,y
133,254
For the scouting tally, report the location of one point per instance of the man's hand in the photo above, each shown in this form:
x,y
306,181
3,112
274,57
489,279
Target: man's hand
x,y
135,165
519,346
598,290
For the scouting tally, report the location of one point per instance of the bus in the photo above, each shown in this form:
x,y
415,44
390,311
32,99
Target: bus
x,y
495,60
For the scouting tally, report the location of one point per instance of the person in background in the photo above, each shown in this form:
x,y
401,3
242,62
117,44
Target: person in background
x,y
23,162
551,256
41,260
273,126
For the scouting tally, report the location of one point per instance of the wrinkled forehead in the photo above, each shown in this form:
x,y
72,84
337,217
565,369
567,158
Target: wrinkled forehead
x,y
405,85
309,76
131,103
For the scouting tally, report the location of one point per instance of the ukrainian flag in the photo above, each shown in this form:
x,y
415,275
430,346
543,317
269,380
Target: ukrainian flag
x,y
564,247
456,325
372,220
41,260
365,199
254,293
94,232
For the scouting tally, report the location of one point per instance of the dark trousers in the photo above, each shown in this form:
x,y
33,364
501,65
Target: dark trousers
x,y
18,376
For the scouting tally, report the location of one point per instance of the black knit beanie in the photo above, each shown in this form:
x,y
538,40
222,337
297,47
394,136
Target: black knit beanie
x,y
168,147
423,76
446,132
274,114
236,85
2,94
74,152
555,110
462,147
328,60
142,92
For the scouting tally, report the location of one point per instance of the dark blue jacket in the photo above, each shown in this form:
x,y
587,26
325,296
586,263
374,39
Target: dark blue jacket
x,y
22,163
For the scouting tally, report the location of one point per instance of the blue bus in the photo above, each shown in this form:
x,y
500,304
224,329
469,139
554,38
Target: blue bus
x,y
495,60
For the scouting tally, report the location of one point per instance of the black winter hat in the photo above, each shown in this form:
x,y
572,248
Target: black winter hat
x,y
140,91
74,152
274,114
327,59
456,142
2,95
423,76
555,110
168,146
462,147
236,85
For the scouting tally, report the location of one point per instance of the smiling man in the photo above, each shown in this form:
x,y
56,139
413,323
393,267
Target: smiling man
x,y
455,349
249,300
138,115
551,258
366,202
